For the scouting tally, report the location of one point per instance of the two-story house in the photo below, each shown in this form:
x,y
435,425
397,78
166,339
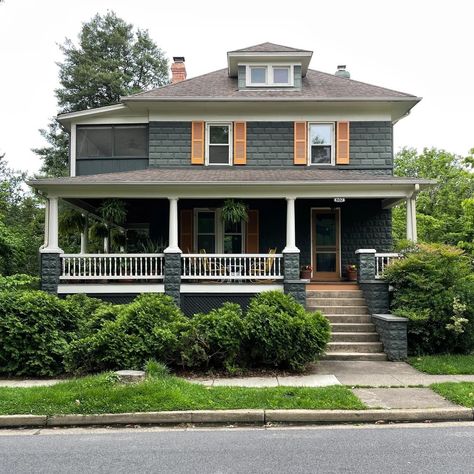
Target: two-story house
x,y
309,154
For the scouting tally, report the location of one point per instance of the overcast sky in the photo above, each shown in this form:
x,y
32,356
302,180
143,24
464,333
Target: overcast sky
x,y
420,47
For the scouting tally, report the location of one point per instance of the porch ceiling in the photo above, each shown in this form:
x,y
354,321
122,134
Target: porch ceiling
x,y
232,182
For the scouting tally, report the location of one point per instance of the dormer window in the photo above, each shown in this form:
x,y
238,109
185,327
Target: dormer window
x,y
270,75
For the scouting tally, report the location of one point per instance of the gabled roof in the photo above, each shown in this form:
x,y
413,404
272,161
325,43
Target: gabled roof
x,y
316,86
268,48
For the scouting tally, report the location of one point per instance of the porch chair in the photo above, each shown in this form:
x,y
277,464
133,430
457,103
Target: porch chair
x,y
212,268
264,268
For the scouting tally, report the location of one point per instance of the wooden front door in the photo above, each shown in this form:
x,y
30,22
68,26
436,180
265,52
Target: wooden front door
x,y
325,244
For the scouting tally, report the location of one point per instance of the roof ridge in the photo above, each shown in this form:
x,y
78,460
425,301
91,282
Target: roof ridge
x,y
360,82
269,43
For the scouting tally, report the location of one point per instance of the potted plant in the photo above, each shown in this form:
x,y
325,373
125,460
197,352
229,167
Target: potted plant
x,y
351,271
305,273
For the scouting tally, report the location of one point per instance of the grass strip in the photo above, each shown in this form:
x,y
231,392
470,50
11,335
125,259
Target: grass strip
x,y
103,394
461,393
445,364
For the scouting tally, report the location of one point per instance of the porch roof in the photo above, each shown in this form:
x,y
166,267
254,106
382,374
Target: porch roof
x,y
189,183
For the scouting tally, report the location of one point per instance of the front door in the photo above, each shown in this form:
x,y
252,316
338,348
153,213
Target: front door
x,y
325,244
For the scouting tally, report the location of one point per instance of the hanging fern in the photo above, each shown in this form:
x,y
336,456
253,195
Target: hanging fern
x,y
234,212
113,211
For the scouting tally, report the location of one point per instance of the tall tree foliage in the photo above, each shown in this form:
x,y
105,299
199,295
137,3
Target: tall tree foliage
x,y
111,59
445,212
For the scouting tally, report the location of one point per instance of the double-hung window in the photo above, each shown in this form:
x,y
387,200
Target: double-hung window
x,y
321,144
219,143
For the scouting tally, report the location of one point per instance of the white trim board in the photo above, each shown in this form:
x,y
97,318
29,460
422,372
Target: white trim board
x,y
225,288
110,288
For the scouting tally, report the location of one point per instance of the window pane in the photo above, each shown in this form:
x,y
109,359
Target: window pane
x,y
325,229
207,243
281,75
219,134
131,141
206,223
230,228
258,75
232,244
321,134
321,154
325,262
94,142
219,154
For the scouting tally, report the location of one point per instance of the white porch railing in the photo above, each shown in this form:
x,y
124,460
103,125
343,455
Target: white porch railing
x,y
117,266
382,260
232,267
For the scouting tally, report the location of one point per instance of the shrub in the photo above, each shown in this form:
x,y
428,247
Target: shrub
x,y
19,282
280,332
434,289
34,332
214,339
149,327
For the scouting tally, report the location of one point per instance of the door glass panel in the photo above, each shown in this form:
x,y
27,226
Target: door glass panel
x,y
325,230
326,262
206,222
206,231
207,243
232,244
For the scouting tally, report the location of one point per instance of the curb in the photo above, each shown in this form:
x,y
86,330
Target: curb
x,y
260,417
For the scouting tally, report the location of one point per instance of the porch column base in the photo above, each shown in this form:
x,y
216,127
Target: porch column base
x,y
172,277
365,264
292,285
50,269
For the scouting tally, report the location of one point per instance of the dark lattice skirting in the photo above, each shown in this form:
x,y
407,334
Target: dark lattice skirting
x,y
192,303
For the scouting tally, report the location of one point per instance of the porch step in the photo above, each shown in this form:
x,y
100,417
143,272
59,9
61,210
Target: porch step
x,y
352,327
335,301
334,294
332,286
355,356
366,347
327,310
354,337
349,318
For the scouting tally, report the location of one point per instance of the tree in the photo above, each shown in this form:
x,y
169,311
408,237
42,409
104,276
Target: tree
x,y
444,211
112,59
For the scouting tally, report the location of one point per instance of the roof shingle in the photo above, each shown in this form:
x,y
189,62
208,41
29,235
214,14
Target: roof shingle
x,y
269,48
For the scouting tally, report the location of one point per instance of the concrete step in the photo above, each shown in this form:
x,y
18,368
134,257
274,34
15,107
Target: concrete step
x,y
352,327
365,347
349,318
327,310
354,337
335,301
334,294
355,356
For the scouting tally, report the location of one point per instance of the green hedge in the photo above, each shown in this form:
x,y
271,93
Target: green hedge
x,y
44,335
434,289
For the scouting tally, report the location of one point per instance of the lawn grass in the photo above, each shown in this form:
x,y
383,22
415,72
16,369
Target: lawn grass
x,y
461,393
444,364
102,394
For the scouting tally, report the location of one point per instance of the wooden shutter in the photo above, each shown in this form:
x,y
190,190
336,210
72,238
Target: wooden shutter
x,y
197,143
342,146
301,144
240,143
186,238
252,241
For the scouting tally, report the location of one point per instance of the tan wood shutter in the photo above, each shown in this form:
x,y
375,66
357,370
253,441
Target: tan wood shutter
x,y
197,143
342,146
240,143
252,241
301,144
186,240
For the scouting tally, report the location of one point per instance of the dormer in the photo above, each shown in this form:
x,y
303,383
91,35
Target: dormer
x,y
268,66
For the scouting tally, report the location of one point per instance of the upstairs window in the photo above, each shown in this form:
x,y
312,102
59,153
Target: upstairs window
x,y
219,144
114,141
321,144
270,76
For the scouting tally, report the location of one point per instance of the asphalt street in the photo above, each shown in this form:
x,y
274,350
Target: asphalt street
x,y
374,449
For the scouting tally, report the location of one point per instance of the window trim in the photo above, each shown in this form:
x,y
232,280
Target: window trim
x,y
270,82
208,142
113,127
333,144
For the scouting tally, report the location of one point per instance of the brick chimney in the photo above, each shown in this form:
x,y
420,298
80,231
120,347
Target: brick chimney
x,y
178,69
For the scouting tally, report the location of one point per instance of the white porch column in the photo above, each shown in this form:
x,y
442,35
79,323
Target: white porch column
x,y
46,224
51,224
173,246
413,219
409,220
85,234
290,226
